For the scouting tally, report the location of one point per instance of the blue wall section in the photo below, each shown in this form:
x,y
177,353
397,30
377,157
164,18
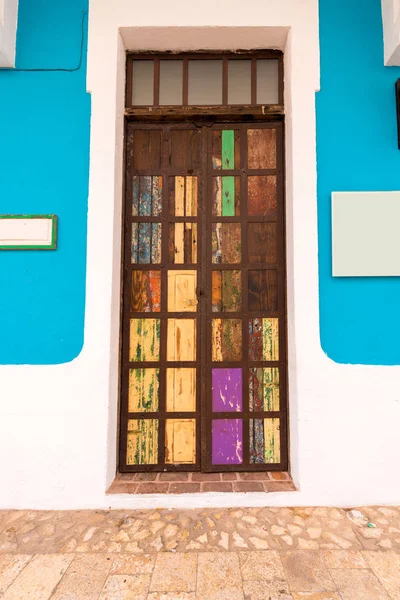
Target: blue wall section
x,y
44,168
357,151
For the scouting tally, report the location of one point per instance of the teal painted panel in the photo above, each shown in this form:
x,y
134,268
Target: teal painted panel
x,y
45,117
356,151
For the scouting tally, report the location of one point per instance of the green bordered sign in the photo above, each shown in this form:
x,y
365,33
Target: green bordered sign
x,y
28,232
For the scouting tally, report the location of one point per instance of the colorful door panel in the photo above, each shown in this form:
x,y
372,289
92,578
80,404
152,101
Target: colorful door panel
x,y
246,358
204,302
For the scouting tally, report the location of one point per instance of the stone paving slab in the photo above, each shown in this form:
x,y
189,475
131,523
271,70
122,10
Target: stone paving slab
x,y
208,554
209,530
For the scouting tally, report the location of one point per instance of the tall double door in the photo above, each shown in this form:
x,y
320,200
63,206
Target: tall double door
x,y
203,362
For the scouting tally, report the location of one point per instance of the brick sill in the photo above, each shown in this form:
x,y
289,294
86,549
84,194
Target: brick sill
x,y
193,483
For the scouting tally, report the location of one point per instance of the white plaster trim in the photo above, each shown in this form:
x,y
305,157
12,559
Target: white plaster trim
x,y
391,32
8,32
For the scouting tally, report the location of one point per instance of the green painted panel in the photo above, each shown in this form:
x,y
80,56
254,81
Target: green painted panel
x,y
228,196
228,149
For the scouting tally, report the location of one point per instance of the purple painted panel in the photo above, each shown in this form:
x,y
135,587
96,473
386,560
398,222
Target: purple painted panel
x,y
227,441
227,390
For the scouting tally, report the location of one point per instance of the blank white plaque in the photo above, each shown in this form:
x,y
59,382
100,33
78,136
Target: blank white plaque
x,y
365,234
28,232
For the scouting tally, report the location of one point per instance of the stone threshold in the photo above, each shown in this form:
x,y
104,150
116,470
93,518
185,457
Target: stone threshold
x,y
193,483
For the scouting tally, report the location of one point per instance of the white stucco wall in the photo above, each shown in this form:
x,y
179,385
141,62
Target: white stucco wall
x,y
58,432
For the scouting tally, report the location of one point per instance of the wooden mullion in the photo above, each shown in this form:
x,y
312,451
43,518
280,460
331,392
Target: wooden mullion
x,y
156,82
185,98
164,297
254,82
225,81
245,290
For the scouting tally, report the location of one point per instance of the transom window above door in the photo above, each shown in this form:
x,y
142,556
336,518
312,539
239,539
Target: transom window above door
x,y
205,80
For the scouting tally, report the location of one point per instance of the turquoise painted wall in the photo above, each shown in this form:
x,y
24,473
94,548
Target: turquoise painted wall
x,y
356,151
44,168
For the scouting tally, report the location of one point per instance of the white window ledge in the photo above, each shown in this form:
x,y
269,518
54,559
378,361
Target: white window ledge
x,y
8,32
391,31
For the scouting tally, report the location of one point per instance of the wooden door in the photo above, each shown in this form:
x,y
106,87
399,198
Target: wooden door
x,y
204,331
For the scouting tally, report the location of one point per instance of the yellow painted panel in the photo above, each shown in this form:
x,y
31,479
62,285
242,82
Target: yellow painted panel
x,y
271,339
144,341
179,251
179,196
272,441
181,339
181,390
191,196
216,340
142,444
182,291
180,441
144,386
271,389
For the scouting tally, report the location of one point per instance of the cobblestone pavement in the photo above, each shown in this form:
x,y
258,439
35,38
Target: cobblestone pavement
x,y
211,554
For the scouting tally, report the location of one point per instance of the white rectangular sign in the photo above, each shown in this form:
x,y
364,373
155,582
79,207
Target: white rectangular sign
x,y
366,234
19,232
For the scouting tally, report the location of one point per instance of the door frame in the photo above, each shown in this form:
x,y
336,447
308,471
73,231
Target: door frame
x,y
205,117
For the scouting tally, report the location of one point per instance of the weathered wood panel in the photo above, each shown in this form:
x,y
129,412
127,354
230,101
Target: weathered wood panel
x,y
144,390
256,441
264,389
182,291
142,442
226,196
146,243
226,149
263,290
144,340
145,291
181,390
183,195
181,339
261,148
227,390
191,197
216,291
178,202
185,149
262,243
272,444
264,438
227,441
226,340
180,441
226,291
263,339
226,243
182,243
146,149
261,196
147,196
